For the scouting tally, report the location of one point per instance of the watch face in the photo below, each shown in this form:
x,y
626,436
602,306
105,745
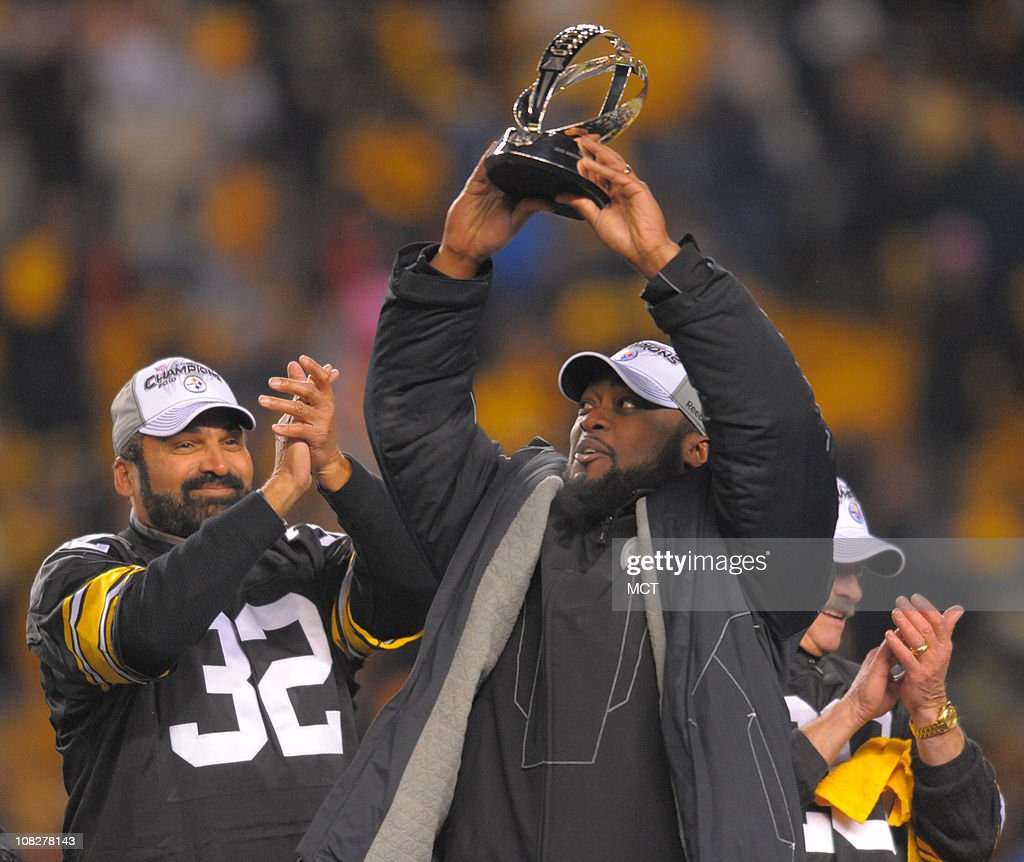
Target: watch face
x,y
945,722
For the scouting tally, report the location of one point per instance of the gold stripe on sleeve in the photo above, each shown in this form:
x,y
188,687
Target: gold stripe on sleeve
x,y
90,620
357,645
369,640
338,637
69,613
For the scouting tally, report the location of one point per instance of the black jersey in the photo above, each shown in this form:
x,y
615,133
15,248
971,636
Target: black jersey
x,y
226,749
815,684
956,806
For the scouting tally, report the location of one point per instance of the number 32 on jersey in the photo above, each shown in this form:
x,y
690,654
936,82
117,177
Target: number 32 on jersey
x,y
233,678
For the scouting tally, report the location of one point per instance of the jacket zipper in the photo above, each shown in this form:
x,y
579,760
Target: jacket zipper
x,y
608,520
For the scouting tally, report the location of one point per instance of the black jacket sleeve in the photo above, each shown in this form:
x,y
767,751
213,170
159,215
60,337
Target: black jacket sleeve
x,y
957,808
171,604
420,413
772,471
392,586
810,767
113,623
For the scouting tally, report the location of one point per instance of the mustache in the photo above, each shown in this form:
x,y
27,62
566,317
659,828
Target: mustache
x,y
596,443
840,605
212,480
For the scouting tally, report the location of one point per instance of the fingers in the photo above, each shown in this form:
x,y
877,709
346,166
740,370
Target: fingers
x,y
951,616
604,155
893,670
885,653
922,643
882,654
931,614
479,175
610,178
291,430
916,625
919,618
872,663
880,660
308,416
583,205
306,379
319,374
526,208
603,166
292,407
904,655
309,384
299,388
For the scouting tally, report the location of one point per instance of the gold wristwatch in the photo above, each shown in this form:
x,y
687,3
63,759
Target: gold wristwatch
x,y
946,721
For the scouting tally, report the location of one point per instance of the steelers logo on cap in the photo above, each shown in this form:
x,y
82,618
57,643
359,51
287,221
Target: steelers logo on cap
x,y
194,384
855,512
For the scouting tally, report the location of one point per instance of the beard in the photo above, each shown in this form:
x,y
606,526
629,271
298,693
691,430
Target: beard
x,y
177,514
585,502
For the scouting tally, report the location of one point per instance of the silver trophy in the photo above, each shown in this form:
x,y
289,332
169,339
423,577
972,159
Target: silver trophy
x,y
533,162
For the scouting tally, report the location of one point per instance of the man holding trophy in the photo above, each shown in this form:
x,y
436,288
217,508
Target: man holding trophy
x,y
541,723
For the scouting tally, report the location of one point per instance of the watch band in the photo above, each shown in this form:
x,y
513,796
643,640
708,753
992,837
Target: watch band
x,y
947,720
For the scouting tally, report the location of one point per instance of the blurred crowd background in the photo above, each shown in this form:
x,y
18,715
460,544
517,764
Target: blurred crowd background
x,y
230,181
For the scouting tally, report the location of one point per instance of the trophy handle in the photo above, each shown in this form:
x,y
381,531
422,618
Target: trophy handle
x,y
555,73
532,162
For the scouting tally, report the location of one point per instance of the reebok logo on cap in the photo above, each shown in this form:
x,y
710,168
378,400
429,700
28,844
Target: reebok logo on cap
x,y
649,368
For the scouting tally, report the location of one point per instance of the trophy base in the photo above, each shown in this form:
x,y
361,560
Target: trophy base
x,y
541,165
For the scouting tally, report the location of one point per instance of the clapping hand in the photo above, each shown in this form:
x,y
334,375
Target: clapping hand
x,y
308,420
924,646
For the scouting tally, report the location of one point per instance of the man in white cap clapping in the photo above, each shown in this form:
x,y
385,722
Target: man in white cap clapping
x,y
198,664
945,788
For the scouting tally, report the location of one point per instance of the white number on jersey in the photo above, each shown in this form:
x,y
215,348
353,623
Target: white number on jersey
x,y
242,745
818,825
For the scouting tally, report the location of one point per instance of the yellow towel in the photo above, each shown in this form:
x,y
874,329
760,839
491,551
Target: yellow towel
x,y
854,787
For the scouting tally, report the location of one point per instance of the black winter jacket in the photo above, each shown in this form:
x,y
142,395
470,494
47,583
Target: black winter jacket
x,y
480,517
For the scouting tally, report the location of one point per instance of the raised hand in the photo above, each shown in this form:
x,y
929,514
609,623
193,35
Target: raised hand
x,y
481,221
873,692
924,646
308,419
632,225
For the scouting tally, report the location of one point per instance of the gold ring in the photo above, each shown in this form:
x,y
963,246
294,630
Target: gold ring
x,y
627,170
920,650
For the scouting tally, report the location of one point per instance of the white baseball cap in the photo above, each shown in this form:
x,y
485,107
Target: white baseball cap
x,y
649,368
163,398
853,542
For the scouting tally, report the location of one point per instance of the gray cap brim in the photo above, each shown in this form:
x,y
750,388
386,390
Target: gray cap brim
x,y
580,370
577,374
177,418
878,556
